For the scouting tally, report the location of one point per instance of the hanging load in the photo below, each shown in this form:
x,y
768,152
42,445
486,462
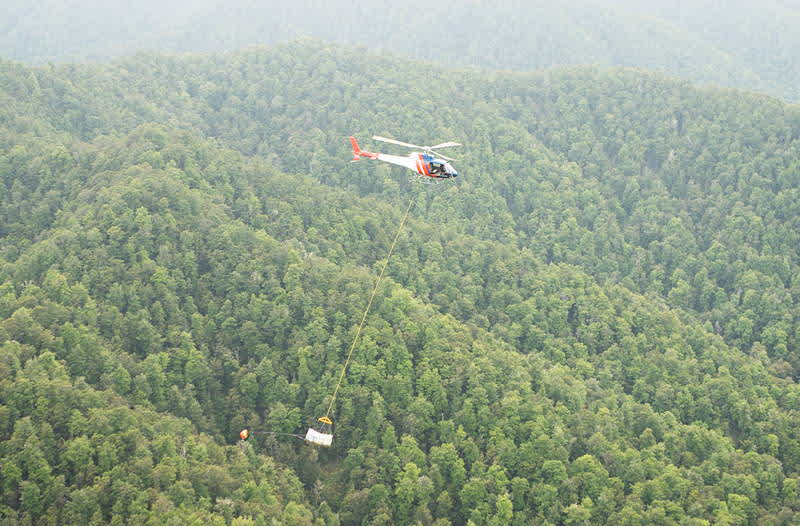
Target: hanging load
x,y
323,437
321,434
320,439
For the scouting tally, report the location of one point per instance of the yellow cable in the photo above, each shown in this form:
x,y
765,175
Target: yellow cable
x,y
369,305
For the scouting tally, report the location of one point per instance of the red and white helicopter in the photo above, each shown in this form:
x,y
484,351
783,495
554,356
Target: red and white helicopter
x,y
427,164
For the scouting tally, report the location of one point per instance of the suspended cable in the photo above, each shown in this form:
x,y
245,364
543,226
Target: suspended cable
x,y
366,310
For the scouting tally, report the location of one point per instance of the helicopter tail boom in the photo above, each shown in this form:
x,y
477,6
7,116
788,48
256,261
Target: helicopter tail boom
x,y
359,153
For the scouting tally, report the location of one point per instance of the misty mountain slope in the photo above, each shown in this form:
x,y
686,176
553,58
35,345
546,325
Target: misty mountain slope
x,y
181,307
68,30
519,36
545,349
736,45
762,34
633,177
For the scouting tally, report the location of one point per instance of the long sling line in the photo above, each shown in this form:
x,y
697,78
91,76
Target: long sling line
x,y
369,305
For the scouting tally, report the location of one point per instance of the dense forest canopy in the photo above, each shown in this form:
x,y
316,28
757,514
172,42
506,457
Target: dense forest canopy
x,y
739,43
598,325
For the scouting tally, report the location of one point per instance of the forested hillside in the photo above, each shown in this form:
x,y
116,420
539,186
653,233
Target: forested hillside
x,y
737,43
596,324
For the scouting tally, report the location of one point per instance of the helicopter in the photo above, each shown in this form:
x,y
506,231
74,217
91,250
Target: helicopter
x,y
427,164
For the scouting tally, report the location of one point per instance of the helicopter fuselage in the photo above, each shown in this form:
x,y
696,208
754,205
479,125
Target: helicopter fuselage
x,y
423,163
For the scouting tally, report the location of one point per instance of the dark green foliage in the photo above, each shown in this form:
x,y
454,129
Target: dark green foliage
x,y
598,326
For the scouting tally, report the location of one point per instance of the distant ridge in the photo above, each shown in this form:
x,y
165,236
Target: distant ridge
x,y
745,44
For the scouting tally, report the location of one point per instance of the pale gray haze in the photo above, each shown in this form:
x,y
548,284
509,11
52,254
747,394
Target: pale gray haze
x,y
741,43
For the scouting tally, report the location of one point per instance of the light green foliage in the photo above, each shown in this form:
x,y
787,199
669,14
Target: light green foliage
x,y
599,326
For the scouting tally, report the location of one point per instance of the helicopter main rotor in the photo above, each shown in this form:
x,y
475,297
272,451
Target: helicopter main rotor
x,y
427,149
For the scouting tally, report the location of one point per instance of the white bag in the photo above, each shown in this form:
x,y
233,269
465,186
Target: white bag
x,y
321,439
